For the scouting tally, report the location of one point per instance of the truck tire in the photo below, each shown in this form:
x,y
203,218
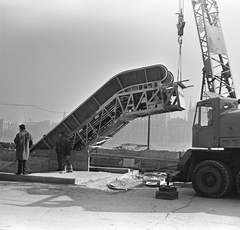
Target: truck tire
x,y
238,182
230,177
210,179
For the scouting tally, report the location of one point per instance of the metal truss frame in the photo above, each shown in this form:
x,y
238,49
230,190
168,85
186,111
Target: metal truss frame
x,y
217,76
129,103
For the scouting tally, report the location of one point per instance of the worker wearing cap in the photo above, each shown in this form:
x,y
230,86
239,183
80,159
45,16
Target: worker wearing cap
x,y
23,141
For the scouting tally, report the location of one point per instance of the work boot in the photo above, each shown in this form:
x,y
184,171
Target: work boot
x,y
65,170
70,169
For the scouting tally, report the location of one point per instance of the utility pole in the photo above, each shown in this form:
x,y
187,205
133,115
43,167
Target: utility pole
x,y
148,137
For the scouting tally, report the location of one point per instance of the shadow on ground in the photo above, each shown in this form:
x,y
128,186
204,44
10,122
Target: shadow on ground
x,y
139,199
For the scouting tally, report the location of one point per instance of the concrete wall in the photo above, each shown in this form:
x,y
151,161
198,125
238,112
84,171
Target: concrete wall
x,y
42,161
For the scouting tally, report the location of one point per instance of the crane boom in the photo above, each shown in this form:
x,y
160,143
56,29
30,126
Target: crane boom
x,y
217,77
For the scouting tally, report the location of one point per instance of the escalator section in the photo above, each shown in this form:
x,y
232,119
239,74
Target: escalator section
x,y
125,97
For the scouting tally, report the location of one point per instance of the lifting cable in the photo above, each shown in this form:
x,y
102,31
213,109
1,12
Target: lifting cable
x,y
180,27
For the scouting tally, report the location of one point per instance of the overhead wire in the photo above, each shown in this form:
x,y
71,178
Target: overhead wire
x,y
30,105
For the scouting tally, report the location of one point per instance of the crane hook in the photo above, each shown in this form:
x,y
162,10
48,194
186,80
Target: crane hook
x,y
181,23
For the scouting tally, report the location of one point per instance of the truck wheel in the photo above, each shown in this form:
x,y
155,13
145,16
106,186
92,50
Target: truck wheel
x,y
230,177
210,179
238,182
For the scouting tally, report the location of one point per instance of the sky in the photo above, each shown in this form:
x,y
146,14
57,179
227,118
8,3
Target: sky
x,y
54,54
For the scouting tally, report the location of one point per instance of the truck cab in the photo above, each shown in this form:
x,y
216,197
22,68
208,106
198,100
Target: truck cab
x,y
216,123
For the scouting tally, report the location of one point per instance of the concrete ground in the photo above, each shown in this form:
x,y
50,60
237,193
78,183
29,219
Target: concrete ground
x,y
91,205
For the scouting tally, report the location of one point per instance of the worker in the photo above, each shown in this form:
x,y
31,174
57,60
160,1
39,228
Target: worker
x,y
210,117
60,148
23,141
66,156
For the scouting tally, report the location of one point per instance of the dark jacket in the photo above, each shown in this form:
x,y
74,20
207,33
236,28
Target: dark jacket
x,y
68,148
23,141
60,145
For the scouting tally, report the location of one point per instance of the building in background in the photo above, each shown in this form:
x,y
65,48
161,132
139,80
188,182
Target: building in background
x,y
165,133
9,129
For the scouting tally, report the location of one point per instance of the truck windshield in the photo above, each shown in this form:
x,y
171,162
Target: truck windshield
x,y
204,115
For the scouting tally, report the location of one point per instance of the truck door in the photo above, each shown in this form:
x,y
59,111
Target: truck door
x,y
203,126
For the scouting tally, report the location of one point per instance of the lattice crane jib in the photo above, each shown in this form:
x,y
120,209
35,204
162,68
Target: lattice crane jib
x,y
217,77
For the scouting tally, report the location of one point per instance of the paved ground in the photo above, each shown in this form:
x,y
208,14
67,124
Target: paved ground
x,y
91,205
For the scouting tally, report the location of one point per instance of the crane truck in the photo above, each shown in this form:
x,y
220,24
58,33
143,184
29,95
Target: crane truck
x,y
213,162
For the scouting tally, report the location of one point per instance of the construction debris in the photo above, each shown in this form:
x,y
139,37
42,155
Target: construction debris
x,y
154,179
150,179
125,184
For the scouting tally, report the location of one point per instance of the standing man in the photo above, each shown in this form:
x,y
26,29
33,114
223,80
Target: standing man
x,y
23,141
66,156
60,149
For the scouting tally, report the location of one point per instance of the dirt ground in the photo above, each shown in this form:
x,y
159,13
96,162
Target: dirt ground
x,y
36,206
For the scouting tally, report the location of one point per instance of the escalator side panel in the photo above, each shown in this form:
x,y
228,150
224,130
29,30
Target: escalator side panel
x,y
113,86
128,79
102,95
71,123
156,73
84,112
141,76
92,104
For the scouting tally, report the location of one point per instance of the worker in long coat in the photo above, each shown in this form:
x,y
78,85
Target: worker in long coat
x,y
23,141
